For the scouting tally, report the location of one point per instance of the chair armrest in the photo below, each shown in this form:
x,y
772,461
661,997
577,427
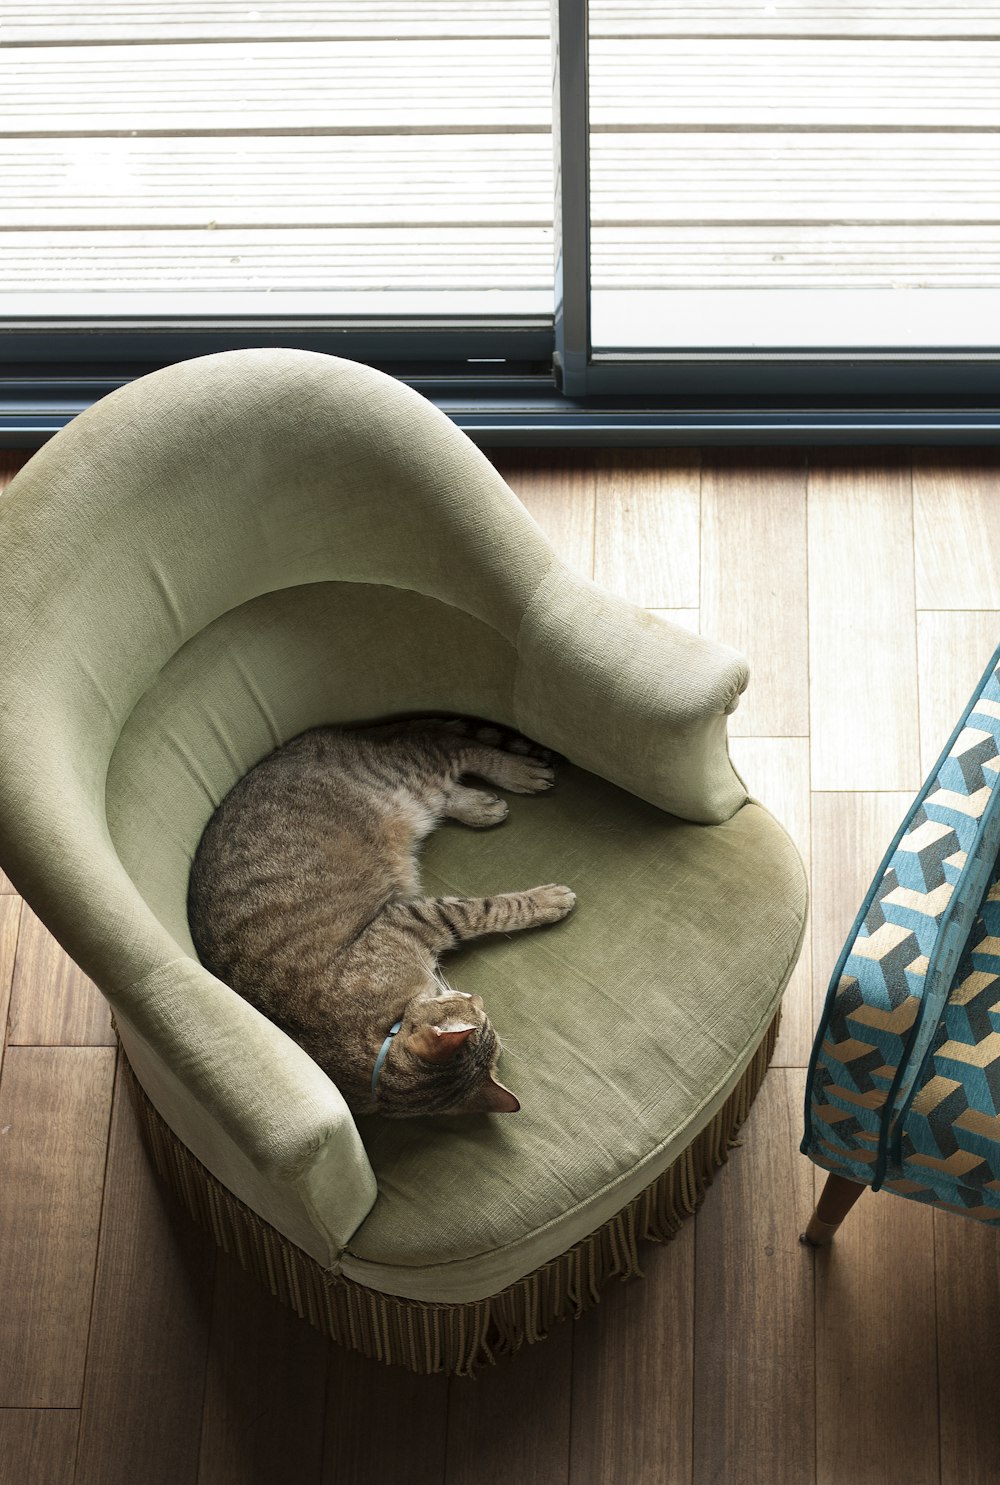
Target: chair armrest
x,y
249,1103
629,696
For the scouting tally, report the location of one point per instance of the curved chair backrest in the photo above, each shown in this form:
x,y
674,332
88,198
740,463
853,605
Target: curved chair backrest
x,y
209,490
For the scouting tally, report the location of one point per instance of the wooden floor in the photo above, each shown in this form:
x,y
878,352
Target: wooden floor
x,y
351,156
865,588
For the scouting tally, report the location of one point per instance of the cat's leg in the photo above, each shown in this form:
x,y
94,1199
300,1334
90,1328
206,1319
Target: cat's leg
x,y
445,922
474,807
520,773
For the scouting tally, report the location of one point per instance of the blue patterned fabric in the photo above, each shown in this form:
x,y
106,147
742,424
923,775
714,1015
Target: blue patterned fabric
x,y
904,1080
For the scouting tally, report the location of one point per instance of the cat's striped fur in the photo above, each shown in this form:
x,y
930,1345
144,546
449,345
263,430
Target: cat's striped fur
x,y
304,897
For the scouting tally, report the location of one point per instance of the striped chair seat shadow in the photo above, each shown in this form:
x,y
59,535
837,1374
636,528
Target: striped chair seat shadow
x,y
904,1080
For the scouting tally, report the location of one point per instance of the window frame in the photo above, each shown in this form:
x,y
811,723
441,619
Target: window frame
x,y
530,379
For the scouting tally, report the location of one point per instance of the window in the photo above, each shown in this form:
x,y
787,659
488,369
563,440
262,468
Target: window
x,y
766,219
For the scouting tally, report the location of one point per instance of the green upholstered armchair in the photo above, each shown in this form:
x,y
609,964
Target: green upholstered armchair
x,y
242,546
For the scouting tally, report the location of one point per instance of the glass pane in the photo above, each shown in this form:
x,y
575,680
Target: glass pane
x,y
800,174
354,157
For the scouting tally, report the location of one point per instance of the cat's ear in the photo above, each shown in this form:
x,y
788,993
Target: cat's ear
x,y
492,1098
438,1043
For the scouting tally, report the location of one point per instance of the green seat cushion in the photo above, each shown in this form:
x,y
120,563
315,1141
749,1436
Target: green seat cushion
x,y
622,1028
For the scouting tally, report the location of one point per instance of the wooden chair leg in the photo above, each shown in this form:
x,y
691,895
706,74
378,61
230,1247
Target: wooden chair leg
x,y
836,1200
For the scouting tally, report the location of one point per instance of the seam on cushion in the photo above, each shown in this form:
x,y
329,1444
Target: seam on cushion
x,y
609,1186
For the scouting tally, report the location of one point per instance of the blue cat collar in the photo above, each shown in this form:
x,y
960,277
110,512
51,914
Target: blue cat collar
x,y
383,1054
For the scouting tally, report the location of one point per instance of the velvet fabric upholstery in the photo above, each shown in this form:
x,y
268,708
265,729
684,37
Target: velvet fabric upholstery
x,y
238,547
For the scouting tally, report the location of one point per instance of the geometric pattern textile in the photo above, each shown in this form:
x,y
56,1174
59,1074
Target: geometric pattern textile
x,y
903,1089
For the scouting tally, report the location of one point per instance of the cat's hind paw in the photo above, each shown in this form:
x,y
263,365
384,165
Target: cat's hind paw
x,y
523,775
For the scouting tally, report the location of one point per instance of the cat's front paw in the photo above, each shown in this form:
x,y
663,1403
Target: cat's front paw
x,y
552,902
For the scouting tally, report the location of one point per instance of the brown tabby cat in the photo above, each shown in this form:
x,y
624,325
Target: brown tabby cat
x,y
304,898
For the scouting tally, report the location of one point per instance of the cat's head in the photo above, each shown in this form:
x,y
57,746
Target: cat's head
x,y
443,1060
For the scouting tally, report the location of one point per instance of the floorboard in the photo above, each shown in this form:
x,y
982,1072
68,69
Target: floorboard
x,y
10,919
633,1375
753,581
862,624
647,534
145,1370
264,1390
52,1002
954,517
967,1292
37,1445
533,1388
54,1109
954,647
129,1347
776,772
876,1356
753,1419
383,1423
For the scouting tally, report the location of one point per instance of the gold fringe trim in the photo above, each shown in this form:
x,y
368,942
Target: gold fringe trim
x,y
460,1338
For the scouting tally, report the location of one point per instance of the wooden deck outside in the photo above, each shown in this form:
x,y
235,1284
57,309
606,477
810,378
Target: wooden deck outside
x,y
351,157
132,1354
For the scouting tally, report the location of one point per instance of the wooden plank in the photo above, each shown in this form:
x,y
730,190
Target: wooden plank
x,y
967,1287
10,919
876,1362
383,1423
559,489
862,627
532,1388
264,1392
242,260
753,1411
835,18
392,86
652,83
381,181
647,531
37,1445
54,1108
273,19
753,581
145,1372
862,257
270,20
850,835
955,532
776,772
383,87
953,650
53,1003
104,299
793,178
410,180
633,1375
